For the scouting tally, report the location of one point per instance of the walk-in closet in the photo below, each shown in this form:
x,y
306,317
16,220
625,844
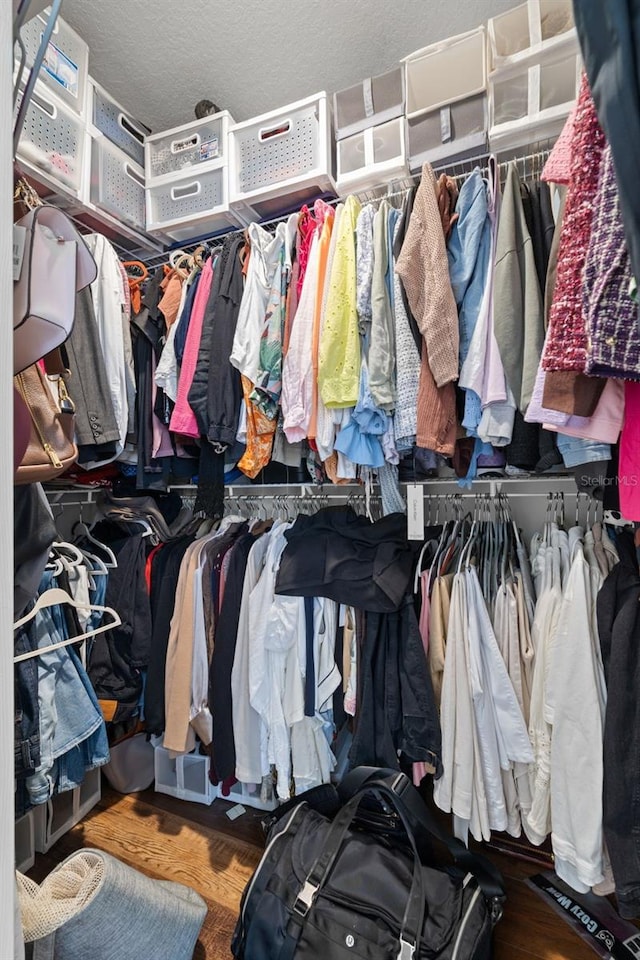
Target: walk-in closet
x,y
322,510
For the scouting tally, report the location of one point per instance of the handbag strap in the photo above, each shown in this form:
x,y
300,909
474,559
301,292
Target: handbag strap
x,y
413,919
54,363
421,818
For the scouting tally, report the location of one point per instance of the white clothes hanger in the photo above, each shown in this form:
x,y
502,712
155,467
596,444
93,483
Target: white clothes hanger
x,y
53,598
148,531
98,565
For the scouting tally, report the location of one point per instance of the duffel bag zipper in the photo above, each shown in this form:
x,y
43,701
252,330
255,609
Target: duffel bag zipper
x,y
375,913
465,919
358,907
265,855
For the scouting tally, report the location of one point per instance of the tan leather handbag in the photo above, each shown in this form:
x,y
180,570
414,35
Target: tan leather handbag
x,y
51,449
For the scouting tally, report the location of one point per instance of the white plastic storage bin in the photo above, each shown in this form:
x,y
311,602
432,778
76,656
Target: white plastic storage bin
x,y
54,139
372,157
25,842
532,102
446,72
187,207
116,124
66,64
282,158
368,104
56,817
185,777
451,132
117,184
184,149
249,796
529,31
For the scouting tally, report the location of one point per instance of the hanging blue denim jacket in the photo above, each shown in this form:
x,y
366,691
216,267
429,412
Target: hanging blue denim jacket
x,y
69,711
469,253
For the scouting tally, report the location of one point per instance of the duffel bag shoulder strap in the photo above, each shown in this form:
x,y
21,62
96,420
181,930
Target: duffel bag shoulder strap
x,y
487,875
323,799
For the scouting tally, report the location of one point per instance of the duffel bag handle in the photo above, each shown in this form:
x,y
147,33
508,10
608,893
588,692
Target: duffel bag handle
x,y
414,913
489,878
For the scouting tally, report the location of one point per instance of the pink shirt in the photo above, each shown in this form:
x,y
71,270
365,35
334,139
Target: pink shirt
x,y
604,425
183,418
629,463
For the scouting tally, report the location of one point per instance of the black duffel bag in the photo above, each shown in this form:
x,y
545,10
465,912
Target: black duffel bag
x,y
344,888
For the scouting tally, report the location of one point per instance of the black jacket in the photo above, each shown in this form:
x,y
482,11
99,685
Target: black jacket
x,y
396,710
337,554
117,655
216,392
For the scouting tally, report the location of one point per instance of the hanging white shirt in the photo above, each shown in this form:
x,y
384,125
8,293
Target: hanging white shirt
x,y
274,623
502,733
453,791
166,375
109,303
297,368
248,727
265,255
537,823
573,708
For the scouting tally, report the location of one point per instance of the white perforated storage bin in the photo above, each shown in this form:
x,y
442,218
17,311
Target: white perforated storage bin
x,y
187,207
368,104
282,158
532,102
59,814
54,139
184,149
249,796
446,72
529,31
25,842
454,131
116,124
65,68
117,184
372,157
185,777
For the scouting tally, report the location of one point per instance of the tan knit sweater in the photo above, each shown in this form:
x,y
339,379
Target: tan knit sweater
x,y
424,271
179,736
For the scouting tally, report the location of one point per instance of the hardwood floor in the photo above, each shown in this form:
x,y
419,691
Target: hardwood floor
x,y
197,845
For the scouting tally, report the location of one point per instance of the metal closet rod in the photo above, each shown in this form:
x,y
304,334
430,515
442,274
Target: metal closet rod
x,y
542,487
396,188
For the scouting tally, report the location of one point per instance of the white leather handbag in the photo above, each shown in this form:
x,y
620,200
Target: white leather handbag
x,y
51,263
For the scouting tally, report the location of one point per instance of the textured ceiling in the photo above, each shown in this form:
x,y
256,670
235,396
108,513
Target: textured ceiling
x,y
159,57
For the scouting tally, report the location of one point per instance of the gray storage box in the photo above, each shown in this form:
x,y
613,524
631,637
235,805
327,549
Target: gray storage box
x,y
368,104
453,131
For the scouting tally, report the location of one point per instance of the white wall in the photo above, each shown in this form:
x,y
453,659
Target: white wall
x,y
7,884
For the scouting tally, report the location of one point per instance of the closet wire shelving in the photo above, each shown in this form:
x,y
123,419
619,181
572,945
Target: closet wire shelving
x,y
528,495
530,164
